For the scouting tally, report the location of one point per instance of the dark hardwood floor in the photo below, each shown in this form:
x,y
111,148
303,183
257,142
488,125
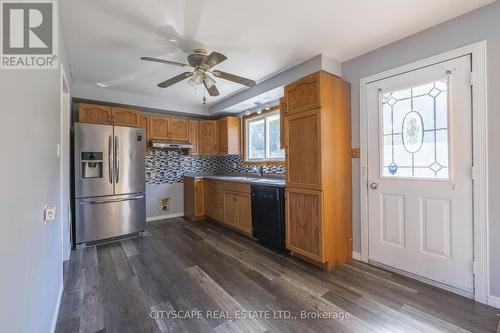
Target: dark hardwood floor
x,y
200,277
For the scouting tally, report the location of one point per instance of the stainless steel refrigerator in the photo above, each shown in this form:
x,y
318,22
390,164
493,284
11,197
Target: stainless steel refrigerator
x,y
110,199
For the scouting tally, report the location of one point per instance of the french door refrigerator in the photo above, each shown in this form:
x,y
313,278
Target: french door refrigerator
x,y
110,198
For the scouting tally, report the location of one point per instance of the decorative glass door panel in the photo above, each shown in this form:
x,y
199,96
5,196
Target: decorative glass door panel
x,y
414,131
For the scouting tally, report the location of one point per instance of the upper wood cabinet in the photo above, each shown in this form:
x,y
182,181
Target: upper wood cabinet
x,y
144,123
304,150
283,128
193,136
207,137
318,175
102,114
229,135
167,128
304,94
179,129
159,127
93,113
125,117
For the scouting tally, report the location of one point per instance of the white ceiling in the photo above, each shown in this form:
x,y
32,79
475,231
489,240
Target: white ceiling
x,y
105,38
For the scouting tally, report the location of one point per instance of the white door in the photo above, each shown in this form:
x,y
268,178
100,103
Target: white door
x,y
420,173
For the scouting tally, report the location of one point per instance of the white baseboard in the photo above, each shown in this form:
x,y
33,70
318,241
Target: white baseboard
x,y
163,217
56,310
494,301
356,256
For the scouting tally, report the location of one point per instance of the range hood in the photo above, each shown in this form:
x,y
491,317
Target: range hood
x,y
172,145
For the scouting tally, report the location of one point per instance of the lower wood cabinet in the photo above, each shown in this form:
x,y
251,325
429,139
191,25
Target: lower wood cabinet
x,y
244,220
304,223
194,198
231,208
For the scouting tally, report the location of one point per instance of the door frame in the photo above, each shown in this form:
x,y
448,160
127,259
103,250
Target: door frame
x,y
479,148
64,156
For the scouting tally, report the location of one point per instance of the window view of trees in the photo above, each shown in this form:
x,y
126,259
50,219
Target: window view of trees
x,y
263,138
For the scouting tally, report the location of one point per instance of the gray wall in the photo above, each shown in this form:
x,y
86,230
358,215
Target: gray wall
x,y
30,251
481,24
154,192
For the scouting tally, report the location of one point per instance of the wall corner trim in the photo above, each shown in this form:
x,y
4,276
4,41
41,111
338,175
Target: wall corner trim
x,y
56,309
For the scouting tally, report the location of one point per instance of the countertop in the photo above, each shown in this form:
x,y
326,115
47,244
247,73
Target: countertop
x,y
269,181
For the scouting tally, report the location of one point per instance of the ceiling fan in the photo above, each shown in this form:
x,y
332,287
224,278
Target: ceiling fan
x,y
201,64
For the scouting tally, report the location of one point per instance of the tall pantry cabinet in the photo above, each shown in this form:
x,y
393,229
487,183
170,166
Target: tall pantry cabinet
x,y
318,177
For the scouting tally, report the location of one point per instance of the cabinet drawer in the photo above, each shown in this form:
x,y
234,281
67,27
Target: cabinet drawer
x,y
215,211
237,187
215,183
215,196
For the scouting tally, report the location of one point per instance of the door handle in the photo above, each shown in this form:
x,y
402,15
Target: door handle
x,y
117,159
374,186
110,158
97,202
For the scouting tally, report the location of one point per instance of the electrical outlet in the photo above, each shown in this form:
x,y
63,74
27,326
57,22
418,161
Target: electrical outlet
x,y
49,214
164,204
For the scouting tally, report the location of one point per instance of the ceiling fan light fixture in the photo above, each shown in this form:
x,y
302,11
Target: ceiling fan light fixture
x,y
197,77
209,82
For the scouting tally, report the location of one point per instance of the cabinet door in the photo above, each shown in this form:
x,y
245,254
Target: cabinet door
x,y
199,197
303,94
207,137
193,136
93,113
144,123
244,213
222,133
230,208
304,150
283,132
125,117
179,129
304,223
159,127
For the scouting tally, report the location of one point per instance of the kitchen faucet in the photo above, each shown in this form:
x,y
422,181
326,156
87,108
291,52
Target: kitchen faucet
x,y
259,169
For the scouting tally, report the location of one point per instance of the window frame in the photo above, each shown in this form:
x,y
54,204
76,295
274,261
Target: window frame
x,y
265,161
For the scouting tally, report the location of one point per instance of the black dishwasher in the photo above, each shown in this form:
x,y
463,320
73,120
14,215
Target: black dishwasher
x,y
268,216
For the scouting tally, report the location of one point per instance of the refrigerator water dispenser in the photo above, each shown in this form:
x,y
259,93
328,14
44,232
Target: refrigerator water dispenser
x,y
91,164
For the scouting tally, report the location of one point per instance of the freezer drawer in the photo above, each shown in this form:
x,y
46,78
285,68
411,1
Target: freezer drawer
x,y
107,217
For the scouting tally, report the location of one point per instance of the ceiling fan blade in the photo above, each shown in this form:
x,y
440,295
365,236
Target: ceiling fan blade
x,y
161,61
212,91
214,58
234,78
174,80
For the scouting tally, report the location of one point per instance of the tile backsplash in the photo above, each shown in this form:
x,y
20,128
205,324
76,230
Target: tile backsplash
x,y
169,166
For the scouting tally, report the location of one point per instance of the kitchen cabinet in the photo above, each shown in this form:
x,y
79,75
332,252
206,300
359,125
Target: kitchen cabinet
x,y
194,198
318,160
304,94
229,135
230,208
125,117
283,127
304,223
179,129
207,137
159,127
93,113
167,128
244,213
193,136
143,123
304,150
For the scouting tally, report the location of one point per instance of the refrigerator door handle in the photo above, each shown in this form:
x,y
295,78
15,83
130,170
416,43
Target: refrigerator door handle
x,y
96,202
110,158
117,159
